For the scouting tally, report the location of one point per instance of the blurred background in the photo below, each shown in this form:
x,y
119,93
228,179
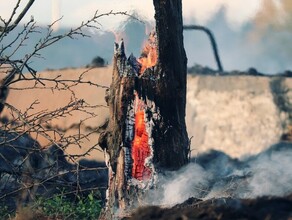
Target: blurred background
x,y
249,33
239,125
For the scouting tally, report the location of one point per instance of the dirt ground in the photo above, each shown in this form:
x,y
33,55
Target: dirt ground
x,y
247,119
51,99
268,208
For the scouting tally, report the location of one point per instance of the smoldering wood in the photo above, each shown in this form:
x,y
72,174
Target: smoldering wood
x,y
162,91
171,89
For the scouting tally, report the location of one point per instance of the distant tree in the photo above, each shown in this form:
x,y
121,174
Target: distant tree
x,y
98,62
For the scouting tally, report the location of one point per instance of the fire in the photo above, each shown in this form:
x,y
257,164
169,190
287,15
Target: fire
x,y
149,54
140,146
140,149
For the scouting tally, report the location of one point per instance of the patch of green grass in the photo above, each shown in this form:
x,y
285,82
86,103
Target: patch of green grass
x,y
59,206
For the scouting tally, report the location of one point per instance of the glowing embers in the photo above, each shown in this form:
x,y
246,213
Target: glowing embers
x,y
140,144
140,149
149,54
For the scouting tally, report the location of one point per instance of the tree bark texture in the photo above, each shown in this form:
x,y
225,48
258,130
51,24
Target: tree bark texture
x,y
146,131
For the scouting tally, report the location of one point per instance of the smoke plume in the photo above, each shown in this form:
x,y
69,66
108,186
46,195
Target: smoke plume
x,y
215,175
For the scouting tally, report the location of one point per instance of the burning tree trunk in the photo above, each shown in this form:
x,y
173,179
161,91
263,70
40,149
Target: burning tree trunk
x,y
147,98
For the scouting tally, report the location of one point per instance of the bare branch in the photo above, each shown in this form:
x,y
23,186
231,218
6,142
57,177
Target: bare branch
x,y
34,165
6,29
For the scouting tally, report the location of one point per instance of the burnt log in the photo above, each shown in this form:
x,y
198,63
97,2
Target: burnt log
x,y
146,132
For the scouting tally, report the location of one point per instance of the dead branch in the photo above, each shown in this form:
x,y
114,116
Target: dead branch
x,y
24,164
7,27
212,39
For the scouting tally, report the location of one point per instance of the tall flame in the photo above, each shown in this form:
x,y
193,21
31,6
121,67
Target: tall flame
x,y
140,145
149,54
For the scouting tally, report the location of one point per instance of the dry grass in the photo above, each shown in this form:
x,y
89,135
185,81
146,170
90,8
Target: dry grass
x,y
53,99
29,214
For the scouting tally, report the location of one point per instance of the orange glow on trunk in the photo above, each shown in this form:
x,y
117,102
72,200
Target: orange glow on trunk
x,y
149,55
140,148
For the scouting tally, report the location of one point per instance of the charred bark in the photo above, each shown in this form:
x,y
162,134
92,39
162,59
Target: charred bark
x,y
146,130
171,140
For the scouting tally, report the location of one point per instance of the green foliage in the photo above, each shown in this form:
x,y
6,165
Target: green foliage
x,y
59,206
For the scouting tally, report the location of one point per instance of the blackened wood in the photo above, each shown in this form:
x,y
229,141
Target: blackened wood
x,y
171,140
163,90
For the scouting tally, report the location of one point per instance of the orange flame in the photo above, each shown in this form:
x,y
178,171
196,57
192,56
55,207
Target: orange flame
x,y
140,149
140,146
149,54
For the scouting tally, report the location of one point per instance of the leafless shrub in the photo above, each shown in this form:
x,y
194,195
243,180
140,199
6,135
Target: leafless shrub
x,y
26,168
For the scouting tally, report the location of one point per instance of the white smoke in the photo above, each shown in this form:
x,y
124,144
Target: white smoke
x,y
191,181
271,174
216,175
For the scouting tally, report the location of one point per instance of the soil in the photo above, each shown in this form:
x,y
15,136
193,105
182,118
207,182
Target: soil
x,y
267,208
